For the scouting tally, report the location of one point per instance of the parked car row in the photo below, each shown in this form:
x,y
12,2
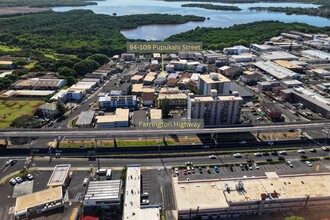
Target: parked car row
x,y
18,180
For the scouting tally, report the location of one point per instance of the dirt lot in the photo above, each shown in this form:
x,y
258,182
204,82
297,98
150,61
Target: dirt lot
x,y
20,10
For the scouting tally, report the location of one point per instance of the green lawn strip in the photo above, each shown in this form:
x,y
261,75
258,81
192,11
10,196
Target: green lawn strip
x,y
128,143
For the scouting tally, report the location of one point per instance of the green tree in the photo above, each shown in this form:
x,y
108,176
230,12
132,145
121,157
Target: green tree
x,y
20,72
85,66
66,71
70,80
165,108
61,108
19,62
100,58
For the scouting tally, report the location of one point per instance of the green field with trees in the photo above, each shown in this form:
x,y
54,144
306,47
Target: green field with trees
x,y
213,7
242,34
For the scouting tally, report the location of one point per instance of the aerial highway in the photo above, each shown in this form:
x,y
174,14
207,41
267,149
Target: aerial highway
x,y
123,132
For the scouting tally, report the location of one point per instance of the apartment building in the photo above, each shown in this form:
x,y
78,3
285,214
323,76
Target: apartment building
x,y
124,101
215,109
213,81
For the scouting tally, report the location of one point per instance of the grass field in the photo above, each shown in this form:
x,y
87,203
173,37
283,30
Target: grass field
x,y
31,65
8,49
10,110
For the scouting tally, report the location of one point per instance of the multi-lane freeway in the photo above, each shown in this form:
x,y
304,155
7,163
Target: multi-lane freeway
x,y
4,133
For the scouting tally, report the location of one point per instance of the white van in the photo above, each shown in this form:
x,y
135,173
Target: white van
x,y
101,171
85,182
108,175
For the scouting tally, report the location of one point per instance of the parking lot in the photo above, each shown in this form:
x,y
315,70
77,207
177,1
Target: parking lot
x,y
237,172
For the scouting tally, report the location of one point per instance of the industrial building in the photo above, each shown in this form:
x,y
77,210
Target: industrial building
x,y
86,119
26,94
213,81
277,71
119,119
316,53
103,194
133,210
309,99
235,197
262,47
215,109
39,84
278,55
267,86
28,206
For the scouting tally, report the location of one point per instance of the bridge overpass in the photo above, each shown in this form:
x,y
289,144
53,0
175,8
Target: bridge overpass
x,y
129,132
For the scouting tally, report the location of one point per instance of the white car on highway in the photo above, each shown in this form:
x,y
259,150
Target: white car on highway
x,y
212,156
283,152
237,155
301,151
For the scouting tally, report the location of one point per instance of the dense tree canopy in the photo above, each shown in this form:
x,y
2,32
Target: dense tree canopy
x,y
100,58
244,34
78,31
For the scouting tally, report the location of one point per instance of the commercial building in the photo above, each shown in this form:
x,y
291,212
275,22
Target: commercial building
x,y
278,55
271,111
292,36
292,83
28,206
267,86
138,89
174,100
59,175
128,57
103,194
49,109
109,102
235,50
262,47
213,81
277,71
237,197
133,210
289,65
119,119
69,95
215,109
245,57
316,53
322,73
250,77
309,99
86,119
211,58
137,79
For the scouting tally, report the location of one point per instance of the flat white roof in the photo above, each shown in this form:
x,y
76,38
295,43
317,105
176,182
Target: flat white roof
x,y
317,53
59,175
23,203
132,194
108,190
278,55
276,70
212,194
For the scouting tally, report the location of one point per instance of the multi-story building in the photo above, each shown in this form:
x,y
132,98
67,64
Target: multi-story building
x,y
124,101
49,109
119,119
215,109
213,81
